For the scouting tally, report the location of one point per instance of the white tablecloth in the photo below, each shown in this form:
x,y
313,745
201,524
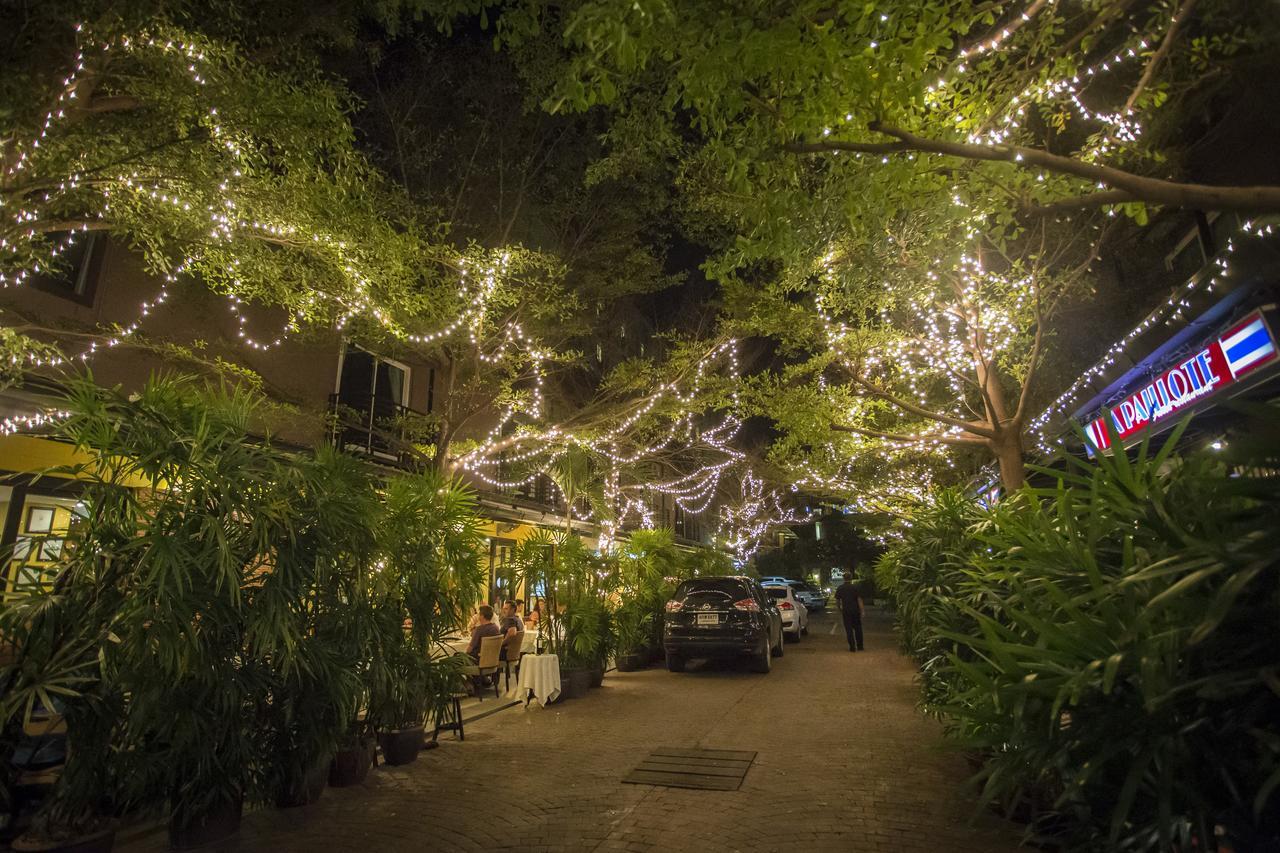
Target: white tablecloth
x,y
529,645
539,674
457,646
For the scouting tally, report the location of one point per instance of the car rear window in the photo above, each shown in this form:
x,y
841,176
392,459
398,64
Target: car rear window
x,y
776,591
726,586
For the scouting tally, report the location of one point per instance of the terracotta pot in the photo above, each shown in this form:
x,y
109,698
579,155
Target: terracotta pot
x,y
351,766
95,842
305,791
401,746
222,821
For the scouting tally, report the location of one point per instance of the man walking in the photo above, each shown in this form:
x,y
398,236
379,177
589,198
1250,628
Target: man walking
x,y
851,611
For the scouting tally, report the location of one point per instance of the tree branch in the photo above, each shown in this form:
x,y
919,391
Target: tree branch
x,y
956,440
846,145
908,406
1098,199
1184,11
1172,193
1032,364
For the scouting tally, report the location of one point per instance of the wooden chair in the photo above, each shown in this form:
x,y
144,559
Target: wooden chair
x,y
489,663
511,655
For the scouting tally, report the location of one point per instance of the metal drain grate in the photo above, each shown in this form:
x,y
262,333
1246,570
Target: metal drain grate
x,y
708,769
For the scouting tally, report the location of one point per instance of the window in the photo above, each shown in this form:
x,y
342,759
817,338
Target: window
x,y
372,393
364,377
80,264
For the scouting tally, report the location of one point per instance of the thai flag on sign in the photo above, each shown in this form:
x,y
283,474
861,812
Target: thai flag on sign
x,y
1247,345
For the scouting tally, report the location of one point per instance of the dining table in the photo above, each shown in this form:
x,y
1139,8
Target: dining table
x,y
539,679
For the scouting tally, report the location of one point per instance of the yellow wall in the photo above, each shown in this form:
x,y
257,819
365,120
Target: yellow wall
x,y
27,454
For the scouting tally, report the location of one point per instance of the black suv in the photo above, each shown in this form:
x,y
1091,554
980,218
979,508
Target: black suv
x,y
709,617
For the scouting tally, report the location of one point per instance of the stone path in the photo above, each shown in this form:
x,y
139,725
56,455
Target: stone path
x,y
845,763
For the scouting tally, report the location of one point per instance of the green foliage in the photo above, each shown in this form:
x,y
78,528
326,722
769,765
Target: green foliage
x,y
1104,644
224,609
427,579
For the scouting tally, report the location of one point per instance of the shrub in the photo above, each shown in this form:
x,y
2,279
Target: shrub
x,y
1106,643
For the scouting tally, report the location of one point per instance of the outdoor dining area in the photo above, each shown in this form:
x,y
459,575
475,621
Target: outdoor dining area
x,y
507,655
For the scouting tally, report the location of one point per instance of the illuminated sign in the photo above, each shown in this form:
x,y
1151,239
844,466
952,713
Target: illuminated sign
x,y
1222,362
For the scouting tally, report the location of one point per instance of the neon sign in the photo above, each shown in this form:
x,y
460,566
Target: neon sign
x,y
1221,362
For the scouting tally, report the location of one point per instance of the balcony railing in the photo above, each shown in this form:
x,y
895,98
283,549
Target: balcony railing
x,y
378,427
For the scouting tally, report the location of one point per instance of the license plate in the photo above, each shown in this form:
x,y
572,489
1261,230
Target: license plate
x,y
708,618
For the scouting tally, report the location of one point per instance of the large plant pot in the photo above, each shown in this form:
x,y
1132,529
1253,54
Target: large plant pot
x,y
222,821
401,746
574,683
351,766
632,662
305,790
597,675
95,842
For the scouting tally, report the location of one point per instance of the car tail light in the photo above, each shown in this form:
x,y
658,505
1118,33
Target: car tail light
x,y
749,604
674,606
785,605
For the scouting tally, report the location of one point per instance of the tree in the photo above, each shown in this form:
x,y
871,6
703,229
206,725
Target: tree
x,y
891,177
213,165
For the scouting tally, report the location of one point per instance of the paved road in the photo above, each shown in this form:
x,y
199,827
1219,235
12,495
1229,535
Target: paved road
x,y
845,763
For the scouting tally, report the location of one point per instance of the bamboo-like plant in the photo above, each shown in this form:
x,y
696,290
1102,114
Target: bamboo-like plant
x,y
427,578
317,585
1107,644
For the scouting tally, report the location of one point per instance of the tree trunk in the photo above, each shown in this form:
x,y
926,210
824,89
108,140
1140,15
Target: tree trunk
x,y
1007,448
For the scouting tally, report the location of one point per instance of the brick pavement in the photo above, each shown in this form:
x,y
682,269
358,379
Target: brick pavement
x,y
845,763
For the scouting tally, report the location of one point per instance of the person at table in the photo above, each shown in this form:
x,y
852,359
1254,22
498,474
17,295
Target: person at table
x,y
486,628
478,618
511,623
535,616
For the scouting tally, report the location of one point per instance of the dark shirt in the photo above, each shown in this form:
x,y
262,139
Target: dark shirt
x,y
488,629
509,622
847,595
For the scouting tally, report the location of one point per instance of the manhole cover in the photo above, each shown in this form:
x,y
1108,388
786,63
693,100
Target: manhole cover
x,y
709,769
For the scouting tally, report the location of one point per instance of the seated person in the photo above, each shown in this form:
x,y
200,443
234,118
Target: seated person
x,y
534,616
486,628
478,618
511,624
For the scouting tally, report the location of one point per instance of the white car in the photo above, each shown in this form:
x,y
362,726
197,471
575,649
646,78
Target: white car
x,y
795,616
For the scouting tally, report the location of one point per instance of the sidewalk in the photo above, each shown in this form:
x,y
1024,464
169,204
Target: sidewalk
x,y
845,763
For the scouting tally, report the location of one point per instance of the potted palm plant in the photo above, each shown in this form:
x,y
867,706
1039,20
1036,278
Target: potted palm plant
x,y
315,691
428,577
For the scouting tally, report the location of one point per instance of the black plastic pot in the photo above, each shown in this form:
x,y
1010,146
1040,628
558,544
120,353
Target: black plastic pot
x,y
305,790
597,675
95,842
574,683
351,766
401,746
632,662
222,821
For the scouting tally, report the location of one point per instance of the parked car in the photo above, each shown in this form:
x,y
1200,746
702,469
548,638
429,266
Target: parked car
x,y
810,596
795,615
713,617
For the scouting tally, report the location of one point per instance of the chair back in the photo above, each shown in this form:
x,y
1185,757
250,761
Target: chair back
x,y
490,649
512,646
